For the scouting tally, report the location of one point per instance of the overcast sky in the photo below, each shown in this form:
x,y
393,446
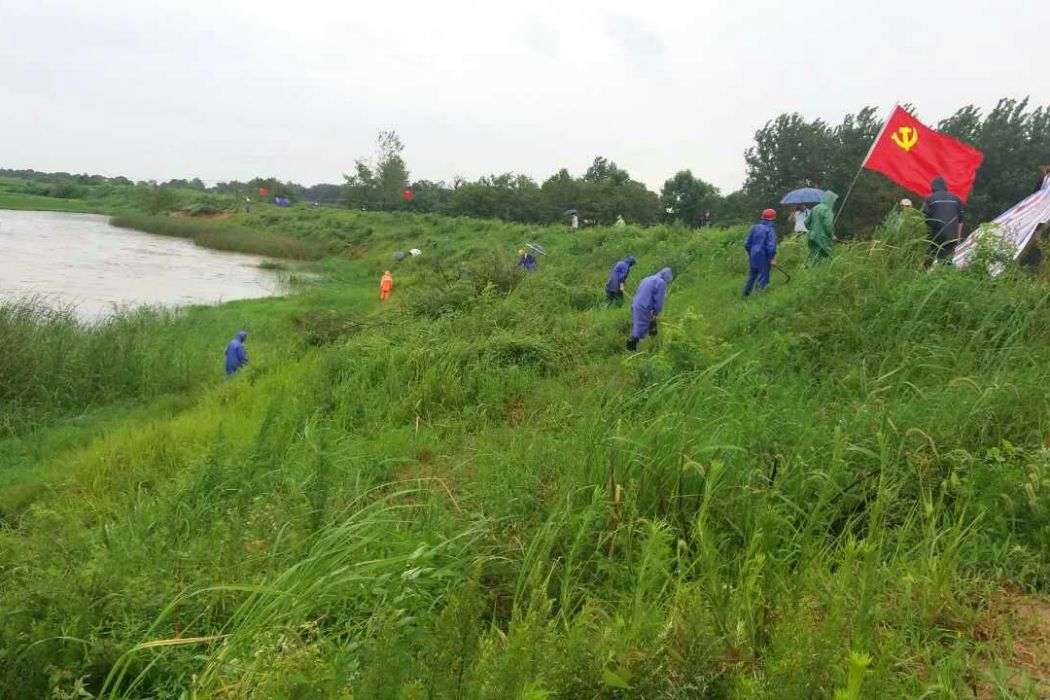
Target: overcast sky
x,y
225,89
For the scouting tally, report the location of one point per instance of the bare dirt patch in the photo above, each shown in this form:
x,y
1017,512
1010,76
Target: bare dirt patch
x,y
1019,626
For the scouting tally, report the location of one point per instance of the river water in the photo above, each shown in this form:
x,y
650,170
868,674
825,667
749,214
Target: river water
x,y
79,259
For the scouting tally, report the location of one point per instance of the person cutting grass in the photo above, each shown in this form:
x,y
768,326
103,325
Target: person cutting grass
x,y
647,305
236,355
615,287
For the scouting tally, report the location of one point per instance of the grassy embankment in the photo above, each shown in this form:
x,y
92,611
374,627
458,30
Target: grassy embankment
x,y
16,193
839,486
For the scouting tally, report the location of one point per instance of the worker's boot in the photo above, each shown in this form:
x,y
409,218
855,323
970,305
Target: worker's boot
x,y
632,344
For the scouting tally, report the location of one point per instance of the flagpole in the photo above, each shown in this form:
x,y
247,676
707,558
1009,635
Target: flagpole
x,y
845,198
874,143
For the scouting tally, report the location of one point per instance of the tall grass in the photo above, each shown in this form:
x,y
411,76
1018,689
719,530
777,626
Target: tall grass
x,y
474,492
221,237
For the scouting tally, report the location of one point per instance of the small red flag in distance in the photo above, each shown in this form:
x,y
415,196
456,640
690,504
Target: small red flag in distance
x,y
408,195
263,192
912,154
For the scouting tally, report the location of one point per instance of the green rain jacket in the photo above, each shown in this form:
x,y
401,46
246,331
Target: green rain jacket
x,y
821,225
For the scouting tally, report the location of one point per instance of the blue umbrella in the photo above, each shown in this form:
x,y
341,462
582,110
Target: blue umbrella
x,y
806,195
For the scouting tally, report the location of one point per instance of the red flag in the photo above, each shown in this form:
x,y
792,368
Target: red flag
x,y
263,192
408,195
912,154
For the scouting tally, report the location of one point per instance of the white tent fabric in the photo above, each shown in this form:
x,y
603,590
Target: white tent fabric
x,y
1015,226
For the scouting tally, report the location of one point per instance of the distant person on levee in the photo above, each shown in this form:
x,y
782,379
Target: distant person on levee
x,y
236,355
386,286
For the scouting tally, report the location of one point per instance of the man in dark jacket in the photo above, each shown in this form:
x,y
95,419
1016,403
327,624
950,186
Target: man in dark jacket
x,y
944,218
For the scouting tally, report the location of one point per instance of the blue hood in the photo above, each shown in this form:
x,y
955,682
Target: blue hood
x,y
630,260
666,275
241,335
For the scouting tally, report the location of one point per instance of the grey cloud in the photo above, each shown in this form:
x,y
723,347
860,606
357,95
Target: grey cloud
x,y
641,47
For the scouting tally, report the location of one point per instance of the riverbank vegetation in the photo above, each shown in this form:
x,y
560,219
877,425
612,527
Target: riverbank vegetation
x,y
837,488
221,235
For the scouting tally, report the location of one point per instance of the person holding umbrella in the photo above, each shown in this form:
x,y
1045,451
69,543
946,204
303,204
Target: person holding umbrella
x,y
798,217
761,247
801,198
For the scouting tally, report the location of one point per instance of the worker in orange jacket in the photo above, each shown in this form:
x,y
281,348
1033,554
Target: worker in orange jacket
x,y
386,286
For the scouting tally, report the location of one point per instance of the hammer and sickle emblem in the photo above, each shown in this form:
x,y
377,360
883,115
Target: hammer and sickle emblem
x,y
906,137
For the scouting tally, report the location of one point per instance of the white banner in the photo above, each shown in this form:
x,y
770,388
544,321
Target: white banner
x,y
1014,226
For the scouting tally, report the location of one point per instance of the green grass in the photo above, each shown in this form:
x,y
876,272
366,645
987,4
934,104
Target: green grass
x,y
96,198
221,236
32,202
475,492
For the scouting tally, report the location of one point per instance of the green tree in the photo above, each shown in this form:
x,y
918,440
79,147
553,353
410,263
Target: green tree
x,y
380,182
685,197
507,196
789,153
603,170
1015,142
606,192
391,171
361,188
560,192
431,196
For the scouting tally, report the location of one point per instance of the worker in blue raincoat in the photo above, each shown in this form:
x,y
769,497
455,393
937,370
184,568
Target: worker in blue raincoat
x,y
761,247
614,288
236,355
647,305
526,260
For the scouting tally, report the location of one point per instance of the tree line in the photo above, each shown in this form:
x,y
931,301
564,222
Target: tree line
x,y
788,152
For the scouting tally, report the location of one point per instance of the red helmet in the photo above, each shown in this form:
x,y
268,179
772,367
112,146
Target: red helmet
x,y
769,214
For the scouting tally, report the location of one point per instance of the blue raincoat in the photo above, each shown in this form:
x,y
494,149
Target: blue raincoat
x,y
236,355
619,274
528,261
761,247
648,302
